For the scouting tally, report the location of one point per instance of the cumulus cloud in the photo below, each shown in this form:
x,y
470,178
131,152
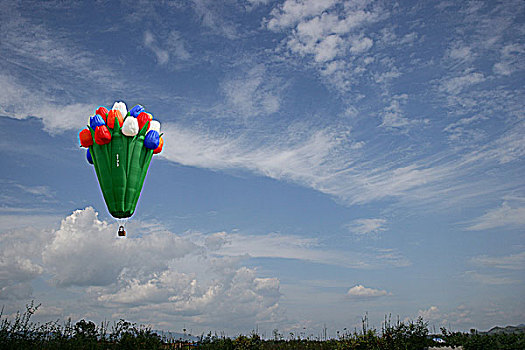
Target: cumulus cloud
x,y
327,34
431,314
461,53
176,276
294,11
393,115
18,265
85,241
361,292
457,84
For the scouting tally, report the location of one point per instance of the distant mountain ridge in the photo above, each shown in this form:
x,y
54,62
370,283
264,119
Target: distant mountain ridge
x,y
167,335
505,330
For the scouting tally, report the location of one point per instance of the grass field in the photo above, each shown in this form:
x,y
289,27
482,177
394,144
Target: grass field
x,y
21,333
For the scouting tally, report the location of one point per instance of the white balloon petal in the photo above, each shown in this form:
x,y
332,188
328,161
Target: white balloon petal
x,y
121,106
154,125
130,126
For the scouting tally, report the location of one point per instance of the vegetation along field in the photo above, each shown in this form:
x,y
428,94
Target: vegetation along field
x,y
21,333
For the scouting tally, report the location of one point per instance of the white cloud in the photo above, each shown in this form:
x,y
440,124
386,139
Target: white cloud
x,y
155,273
82,233
459,131
326,160
44,191
457,84
209,14
431,314
367,226
292,12
360,45
34,44
150,42
507,262
273,245
507,215
490,279
20,102
361,292
290,247
461,53
18,266
172,46
393,116
333,37
512,56
328,48
252,93
258,2
460,316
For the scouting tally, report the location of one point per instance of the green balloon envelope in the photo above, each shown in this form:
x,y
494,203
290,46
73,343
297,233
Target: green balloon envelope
x,y
121,168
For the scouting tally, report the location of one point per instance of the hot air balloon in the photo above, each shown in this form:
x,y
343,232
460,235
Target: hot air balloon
x,y
120,155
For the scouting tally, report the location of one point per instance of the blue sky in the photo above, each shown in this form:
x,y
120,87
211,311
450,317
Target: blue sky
x,y
323,159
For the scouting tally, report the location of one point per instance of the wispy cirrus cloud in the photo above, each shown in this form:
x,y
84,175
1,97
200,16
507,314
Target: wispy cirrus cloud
x,y
367,226
171,47
251,93
511,61
509,214
26,43
283,246
490,279
19,101
210,15
506,262
316,160
46,73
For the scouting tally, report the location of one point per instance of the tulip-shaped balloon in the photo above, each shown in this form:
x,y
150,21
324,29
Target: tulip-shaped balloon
x,y
103,112
121,154
114,115
143,118
95,121
152,140
130,126
135,111
159,149
86,139
102,135
121,106
89,158
154,125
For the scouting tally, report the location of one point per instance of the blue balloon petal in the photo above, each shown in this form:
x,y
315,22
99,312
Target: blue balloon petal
x,y
88,156
152,139
95,121
135,111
